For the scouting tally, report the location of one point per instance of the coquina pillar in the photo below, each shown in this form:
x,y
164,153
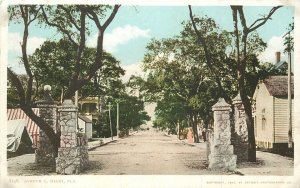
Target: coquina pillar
x,y
221,155
73,152
45,154
240,130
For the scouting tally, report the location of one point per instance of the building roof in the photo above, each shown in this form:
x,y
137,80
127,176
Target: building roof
x,y
84,118
278,85
280,64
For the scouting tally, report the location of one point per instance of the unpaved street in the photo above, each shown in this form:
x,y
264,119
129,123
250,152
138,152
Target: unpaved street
x,y
149,152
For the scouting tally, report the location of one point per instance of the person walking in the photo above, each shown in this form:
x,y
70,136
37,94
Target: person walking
x,y
204,134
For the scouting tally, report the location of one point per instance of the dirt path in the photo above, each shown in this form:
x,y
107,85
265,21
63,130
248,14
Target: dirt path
x,y
149,152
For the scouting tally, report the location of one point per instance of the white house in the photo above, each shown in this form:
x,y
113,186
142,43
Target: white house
x,y
85,125
271,112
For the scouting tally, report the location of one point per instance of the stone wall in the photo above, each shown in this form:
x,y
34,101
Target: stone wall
x,y
221,151
45,154
240,131
73,152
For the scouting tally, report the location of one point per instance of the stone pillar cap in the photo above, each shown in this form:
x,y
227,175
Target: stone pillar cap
x,y
68,105
221,105
46,102
237,99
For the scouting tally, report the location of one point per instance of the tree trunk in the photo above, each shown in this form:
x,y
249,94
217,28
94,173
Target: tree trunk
x,y
194,126
53,137
241,68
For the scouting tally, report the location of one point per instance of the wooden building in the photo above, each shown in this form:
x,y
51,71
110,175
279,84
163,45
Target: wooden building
x,y
85,125
270,112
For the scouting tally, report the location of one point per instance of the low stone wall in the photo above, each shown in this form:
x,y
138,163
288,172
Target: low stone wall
x,y
73,152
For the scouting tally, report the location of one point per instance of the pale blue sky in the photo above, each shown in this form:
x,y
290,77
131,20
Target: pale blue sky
x,y
134,26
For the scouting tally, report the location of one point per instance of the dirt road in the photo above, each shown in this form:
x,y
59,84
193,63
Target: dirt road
x,y
149,152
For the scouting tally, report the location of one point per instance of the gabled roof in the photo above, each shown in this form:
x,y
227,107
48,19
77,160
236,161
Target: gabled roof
x,y
278,85
280,64
85,119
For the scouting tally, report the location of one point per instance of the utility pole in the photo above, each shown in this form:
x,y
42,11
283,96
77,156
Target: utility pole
x,y
76,98
118,113
289,106
290,136
111,131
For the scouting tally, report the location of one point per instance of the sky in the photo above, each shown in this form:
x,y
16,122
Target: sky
x,y
134,27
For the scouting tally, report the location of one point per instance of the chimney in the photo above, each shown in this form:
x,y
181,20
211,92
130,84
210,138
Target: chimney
x,y
277,57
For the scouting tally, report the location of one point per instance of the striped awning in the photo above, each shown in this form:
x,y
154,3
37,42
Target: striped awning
x,y
32,128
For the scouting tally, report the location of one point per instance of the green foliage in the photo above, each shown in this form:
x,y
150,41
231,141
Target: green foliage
x,y
179,79
131,115
53,64
181,82
289,39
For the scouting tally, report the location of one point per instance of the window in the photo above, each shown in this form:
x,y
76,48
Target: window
x,y
263,124
264,121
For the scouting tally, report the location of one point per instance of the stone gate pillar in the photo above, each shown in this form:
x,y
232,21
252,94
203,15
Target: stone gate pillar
x,y
73,152
221,155
240,130
45,154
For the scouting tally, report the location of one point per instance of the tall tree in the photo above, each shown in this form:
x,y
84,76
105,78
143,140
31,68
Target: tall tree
x,y
71,22
241,58
241,63
179,77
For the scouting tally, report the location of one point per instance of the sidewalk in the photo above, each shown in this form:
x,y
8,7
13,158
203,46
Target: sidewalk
x,y
101,142
24,165
266,163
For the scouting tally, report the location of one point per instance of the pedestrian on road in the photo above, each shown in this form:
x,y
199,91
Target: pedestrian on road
x,y
204,134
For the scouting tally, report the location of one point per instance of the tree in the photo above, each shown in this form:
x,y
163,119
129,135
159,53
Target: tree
x,y
131,114
241,56
179,79
51,65
242,59
70,21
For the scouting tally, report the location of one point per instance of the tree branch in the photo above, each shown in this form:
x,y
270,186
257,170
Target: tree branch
x,y
69,16
262,21
95,18
81,45
35,16
17,83
58,27
111,17
207,56
25,16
